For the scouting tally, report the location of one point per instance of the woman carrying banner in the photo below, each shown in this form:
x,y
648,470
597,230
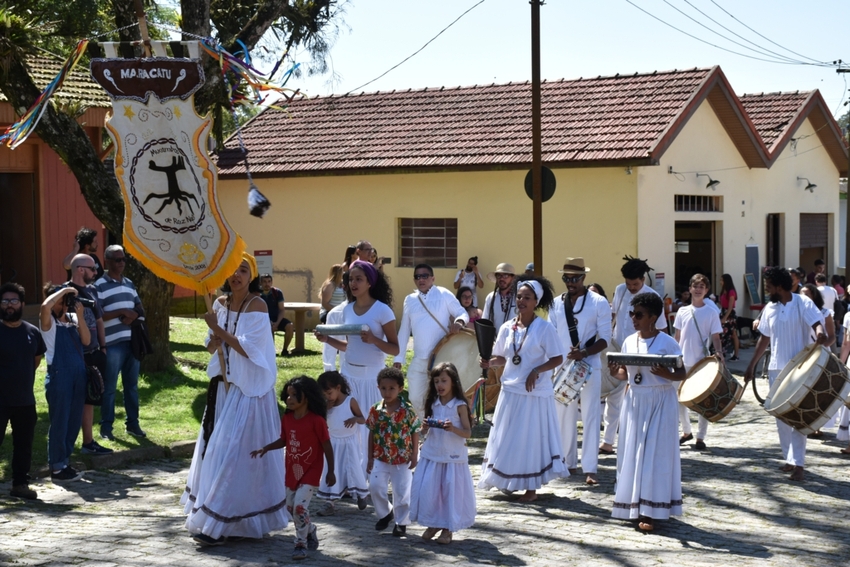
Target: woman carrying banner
x,y
229,494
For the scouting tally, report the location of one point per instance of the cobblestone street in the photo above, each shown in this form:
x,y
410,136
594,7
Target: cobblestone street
x,y
739,510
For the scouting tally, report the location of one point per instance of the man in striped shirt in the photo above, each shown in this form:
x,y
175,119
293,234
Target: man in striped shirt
x,y
121,306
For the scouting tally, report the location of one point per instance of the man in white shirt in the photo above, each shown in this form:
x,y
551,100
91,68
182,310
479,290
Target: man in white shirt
x,y
470,278
830,296
586,315
430,313
634,273
500,305
785,324
697,325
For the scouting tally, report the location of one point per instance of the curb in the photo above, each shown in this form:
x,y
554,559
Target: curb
x,y
118,459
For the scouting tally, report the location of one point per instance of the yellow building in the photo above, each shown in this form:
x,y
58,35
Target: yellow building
x,y
438,176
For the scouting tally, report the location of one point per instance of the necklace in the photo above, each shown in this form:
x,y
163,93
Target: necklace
x,y
227,328
639,376
517,359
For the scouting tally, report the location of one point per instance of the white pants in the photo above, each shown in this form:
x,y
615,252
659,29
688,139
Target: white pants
x,y
591,416
613,404
685,421
401,477
793,442
298,504
417,385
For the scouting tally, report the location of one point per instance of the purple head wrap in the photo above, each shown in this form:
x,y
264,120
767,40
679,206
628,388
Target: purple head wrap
x,y
368,269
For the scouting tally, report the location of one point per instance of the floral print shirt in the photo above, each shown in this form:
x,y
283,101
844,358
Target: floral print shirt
x,y
392,432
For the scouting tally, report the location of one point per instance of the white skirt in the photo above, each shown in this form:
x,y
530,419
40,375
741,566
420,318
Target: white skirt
x,y
649,472
228,493
348,469
524,447
843,423
442,495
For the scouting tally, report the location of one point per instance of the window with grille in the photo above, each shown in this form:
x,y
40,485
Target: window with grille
x,y
429,241
698,203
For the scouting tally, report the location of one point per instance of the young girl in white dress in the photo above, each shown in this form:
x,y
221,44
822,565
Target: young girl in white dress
x,y
443,496
344,424
649,471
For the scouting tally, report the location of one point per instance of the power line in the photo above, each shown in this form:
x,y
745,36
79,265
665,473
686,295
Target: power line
x,y
418,50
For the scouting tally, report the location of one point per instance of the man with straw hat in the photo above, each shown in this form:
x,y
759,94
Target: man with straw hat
x,y
583,322
500,305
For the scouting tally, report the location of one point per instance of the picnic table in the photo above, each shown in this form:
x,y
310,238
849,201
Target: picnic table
x,y
301,309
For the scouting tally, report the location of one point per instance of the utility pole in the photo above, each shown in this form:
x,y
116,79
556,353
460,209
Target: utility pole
x,y
847,202
536,139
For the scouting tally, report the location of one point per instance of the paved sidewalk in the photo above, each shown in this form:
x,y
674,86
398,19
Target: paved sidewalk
x,y
739,510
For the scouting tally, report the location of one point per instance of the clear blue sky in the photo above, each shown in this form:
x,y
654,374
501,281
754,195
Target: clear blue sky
x,y
582,39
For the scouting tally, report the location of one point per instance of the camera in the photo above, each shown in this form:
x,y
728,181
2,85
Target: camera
x,y
71,300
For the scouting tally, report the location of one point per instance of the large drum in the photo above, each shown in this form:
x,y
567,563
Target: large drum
x,y
610,385
461,349
710,390
809,390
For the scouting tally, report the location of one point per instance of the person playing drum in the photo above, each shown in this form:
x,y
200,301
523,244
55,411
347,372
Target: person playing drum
x,y
430,313
785,324
588,317
697,324
524,447
649,471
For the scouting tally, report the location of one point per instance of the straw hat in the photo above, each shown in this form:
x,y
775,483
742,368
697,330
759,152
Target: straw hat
x,y
503,268
574,266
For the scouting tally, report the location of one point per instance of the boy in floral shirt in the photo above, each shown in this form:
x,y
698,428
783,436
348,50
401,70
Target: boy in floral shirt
x,y
394,444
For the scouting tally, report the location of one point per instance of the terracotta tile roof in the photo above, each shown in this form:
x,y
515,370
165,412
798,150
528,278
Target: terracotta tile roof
x,y
602,119
78,86
773,113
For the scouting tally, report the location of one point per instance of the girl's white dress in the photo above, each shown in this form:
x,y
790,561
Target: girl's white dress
x,y
228,493
649,472
347,445
524,447
442,493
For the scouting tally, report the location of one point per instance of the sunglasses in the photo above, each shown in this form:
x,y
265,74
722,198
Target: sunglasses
x,y
421,276
636,315
571,279
121,259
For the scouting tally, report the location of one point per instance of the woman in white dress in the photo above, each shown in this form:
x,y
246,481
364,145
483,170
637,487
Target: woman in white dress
x,y
370,304
229,494
524,447
649,472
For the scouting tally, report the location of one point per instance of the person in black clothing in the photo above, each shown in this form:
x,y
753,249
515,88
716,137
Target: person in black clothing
x,y
21,350
85,242
274,299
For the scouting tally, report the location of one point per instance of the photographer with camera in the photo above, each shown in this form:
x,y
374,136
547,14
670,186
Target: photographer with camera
x,y
65,335
83,274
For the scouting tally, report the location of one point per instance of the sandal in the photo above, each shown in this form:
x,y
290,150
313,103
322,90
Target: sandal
x,y
591,481
445,537
606,451
645,524
430,533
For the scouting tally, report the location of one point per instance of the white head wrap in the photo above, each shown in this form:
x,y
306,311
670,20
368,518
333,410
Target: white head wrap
x,y
535,287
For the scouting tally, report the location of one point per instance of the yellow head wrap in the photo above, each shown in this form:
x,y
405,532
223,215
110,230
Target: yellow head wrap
x,y
252,264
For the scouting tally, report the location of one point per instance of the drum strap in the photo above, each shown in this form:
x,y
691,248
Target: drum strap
x,y
442,327
571,320
702,341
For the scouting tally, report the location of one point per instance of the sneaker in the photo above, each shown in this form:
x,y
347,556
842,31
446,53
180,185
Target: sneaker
x,y
399,531
107,435
327,510
94,448
313,538
136,431
66,475
299,553
23,491
361,503
733,358
206,540
382,524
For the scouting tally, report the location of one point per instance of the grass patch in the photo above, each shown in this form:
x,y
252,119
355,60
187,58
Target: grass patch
x,y
171,402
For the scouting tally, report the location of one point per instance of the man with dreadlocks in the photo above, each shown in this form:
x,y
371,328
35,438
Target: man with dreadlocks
x,y
634,273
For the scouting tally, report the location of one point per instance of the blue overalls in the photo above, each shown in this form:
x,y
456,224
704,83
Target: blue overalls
x,y
65,389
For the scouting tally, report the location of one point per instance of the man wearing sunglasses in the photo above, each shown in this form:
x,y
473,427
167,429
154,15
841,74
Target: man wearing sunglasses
x,y
634,273
430,313
583,322
121,306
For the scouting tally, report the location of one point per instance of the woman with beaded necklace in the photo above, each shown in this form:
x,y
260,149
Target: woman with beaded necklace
x,y
649,473
229,494
524,447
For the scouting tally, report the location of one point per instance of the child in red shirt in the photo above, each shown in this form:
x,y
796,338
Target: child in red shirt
x,y
304,433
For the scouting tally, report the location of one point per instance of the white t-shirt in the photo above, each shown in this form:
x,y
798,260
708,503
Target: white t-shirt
x,y
49,335
788,326
358,352
594,320
416,320
830,296
695,339
499,316
662,343
622,305
470,280
541,345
